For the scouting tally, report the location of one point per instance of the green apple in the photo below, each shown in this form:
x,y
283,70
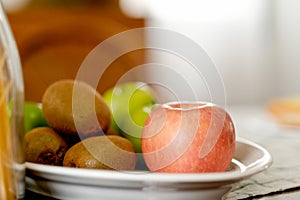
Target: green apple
x,y
130,104
132,128
33,116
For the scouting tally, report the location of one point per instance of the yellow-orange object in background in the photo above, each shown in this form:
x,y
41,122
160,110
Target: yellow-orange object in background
x,y
286,110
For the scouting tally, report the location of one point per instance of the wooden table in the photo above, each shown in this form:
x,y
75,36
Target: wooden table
x,y
282,179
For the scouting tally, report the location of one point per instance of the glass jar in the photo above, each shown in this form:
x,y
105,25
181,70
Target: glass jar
x,y
12,159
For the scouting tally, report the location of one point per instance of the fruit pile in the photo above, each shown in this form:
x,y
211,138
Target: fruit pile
x,y
77,127
123,128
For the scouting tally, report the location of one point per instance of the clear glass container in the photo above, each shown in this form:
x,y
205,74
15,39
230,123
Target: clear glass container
x,y
12,159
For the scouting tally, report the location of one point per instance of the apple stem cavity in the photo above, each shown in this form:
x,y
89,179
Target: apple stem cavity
x,y
186,105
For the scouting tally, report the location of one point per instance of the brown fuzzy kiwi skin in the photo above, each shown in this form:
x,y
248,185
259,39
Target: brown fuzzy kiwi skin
x,y
102,152
44,146
63,108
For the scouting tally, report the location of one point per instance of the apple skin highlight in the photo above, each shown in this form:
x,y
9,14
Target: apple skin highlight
x,y
188,137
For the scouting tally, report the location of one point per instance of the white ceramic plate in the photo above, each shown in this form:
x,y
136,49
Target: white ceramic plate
x,y
73,183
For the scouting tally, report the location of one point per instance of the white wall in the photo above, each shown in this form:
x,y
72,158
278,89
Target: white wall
x,y
237,35
254,43
287,36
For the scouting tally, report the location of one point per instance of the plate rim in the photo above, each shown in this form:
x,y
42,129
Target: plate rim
x,y
52,172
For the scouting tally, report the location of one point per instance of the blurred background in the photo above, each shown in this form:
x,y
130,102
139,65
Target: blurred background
x,y
253,43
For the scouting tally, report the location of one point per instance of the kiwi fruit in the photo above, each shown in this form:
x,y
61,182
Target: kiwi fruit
x,y
73,107
109,152
44,146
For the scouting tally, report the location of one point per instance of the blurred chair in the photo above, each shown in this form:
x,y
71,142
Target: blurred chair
x,y
53,41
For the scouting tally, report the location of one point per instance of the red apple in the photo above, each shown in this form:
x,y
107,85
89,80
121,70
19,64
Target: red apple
x,y
188,137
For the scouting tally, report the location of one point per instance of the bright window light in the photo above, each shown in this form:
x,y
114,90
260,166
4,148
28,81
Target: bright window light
x,y
193,10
